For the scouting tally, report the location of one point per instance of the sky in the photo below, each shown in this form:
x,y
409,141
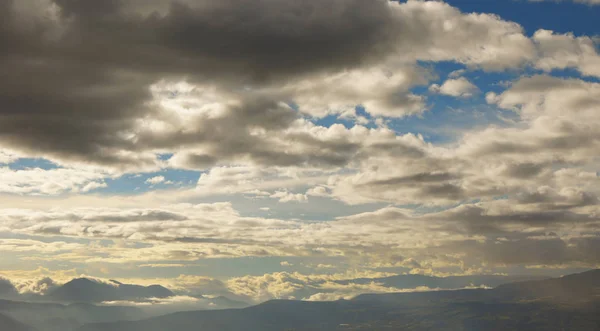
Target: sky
x,y
256,147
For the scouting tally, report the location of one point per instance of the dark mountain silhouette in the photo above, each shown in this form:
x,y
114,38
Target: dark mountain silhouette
x,y
10,324
7,289
518,306
572,288
58,317
86,290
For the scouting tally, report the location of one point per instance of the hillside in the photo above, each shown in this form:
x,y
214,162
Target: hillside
x,y
519,306
86,290
10,324
58,317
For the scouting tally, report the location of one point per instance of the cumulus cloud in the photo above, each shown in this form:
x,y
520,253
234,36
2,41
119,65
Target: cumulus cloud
x,y
120,115
240,91
155,180
37,181
318,191
37,286
285,196
293,285
560,51
459,87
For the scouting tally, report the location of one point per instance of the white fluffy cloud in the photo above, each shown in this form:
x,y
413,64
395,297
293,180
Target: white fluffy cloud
x,y
37,181
155,180
285,196
560,51
459,87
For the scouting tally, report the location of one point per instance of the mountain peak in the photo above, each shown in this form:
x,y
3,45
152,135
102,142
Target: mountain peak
x,y
88,290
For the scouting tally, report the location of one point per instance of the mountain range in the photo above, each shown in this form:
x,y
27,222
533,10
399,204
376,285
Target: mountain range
x,y
10,324
58,317
530,305
86,290
568,303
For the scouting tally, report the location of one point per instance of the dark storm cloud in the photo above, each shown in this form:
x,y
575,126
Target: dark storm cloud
x,y
239,37
74,84
76,74
280,37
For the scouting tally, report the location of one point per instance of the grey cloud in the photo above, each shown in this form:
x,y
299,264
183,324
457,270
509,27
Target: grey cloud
x,y
550,199
280,37
525,170
414,179
91,82
446,191
37,286
549,251
76,81
474,216
396,149
142,216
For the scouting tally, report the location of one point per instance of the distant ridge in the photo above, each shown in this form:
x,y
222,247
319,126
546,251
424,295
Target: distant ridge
x,y
570,288
61,317
86,290
521,306
10,324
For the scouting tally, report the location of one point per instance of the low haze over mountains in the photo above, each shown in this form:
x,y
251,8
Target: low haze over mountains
x,y
98,291
85,290
537,305
568,303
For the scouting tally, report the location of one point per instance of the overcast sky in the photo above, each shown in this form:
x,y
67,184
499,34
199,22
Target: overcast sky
x,y
251,147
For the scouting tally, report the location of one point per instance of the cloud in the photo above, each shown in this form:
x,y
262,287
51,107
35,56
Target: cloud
x,y
387,236
214,92
155,180
7,157
37,286
287,285
173,300
493,161
39,280
37,181
459,87
318,191
285,196
561,51
240,91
